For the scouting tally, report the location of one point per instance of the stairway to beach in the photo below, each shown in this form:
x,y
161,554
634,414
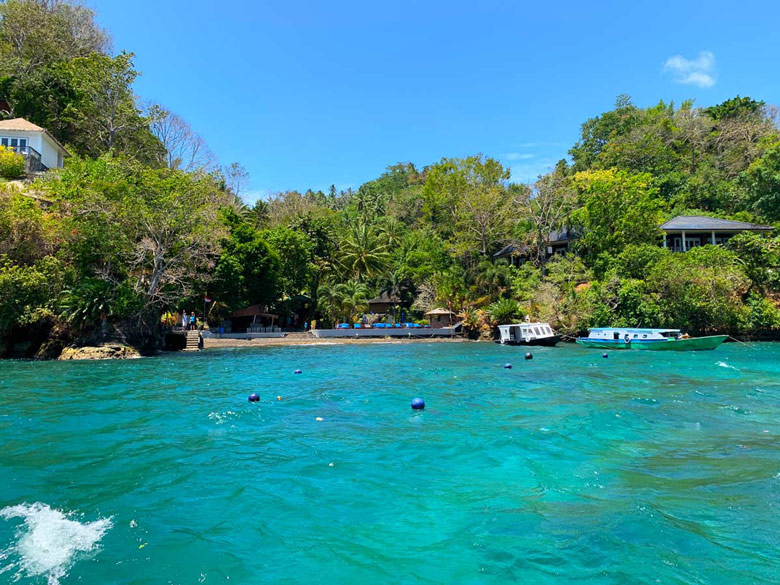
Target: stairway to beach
x,y
193,338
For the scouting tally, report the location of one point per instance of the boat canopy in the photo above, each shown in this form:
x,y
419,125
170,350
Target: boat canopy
x,y
635,330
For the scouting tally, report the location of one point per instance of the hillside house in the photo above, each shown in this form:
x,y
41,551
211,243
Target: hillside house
x,y
689,231
40,149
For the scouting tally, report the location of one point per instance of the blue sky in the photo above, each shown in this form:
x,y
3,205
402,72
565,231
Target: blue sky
x,y
305,94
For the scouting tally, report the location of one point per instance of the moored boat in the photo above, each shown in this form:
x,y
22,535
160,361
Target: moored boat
x,y
648,339
527,334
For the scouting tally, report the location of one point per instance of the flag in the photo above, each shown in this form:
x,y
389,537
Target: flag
x,y
207,299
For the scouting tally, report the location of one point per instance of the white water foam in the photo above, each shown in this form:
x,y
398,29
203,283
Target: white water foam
x,y
725,365
48,542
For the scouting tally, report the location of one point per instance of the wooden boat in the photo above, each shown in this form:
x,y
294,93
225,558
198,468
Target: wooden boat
x,y
527,334
648,339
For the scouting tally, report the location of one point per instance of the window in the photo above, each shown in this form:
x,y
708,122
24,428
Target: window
x,y
4,141
643,337
14,142
635,335
22,143
616,335
536,331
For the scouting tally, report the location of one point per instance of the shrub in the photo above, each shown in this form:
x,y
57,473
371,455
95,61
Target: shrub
x,y
504,311
11,163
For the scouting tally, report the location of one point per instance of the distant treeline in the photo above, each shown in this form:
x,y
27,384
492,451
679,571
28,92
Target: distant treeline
x,y
143,222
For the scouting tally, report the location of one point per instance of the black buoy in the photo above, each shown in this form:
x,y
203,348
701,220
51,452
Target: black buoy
x,y
604,355
418,404
507,366
529,356
254,397
297,372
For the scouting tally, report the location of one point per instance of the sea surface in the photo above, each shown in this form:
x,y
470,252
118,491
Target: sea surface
x,y
642,467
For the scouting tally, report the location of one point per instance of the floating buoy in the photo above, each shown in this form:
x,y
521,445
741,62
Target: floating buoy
x,y
418,404
507,366
604,355
529,356
297,372
254,397
278,397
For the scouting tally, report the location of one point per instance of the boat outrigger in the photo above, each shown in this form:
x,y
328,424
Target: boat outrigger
x,y
650,339
527,334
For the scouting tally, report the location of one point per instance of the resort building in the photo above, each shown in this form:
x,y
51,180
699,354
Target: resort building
x,y
40,149
383,304
557,243
689,231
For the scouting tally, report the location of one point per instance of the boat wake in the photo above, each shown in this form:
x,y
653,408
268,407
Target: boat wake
x,y
48,542
725,365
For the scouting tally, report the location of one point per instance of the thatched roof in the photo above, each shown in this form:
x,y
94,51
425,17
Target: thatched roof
x,y
439,312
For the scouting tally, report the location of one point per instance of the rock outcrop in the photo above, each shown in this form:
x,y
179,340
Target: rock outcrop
x,y
109,351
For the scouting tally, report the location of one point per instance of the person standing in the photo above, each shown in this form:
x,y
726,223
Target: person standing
x,y
184,321
193,325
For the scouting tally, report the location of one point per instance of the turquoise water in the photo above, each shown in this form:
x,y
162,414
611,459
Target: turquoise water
x,y
570,468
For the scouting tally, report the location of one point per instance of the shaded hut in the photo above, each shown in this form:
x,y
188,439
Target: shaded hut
x,y
439,318
382,304
251,318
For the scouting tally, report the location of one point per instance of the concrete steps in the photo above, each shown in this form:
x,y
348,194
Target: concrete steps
x,y
193,341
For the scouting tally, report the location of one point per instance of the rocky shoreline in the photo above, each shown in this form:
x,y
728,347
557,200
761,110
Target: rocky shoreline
x,y
108,351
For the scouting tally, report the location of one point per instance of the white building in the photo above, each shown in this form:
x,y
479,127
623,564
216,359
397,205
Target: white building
x,y
40,149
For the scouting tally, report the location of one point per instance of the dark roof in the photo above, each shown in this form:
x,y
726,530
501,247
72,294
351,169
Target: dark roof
x,y
563,235
384,298
511,250
258,310
698,222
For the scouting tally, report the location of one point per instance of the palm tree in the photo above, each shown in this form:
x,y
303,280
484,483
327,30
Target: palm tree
x,y
493,276
352,297
362,254
328,300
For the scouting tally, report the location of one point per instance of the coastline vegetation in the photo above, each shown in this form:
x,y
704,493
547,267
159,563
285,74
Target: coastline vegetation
x,y
142,222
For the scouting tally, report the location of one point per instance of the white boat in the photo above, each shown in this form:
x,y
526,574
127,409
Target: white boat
x,y
527,334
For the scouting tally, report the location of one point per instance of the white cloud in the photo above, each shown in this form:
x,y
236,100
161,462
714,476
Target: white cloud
x,y
518,155
699,71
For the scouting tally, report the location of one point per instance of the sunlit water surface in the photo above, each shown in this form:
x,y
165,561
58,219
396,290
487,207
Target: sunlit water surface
x,y
570,468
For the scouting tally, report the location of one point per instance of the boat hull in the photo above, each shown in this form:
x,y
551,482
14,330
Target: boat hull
x,y
690,344
551,341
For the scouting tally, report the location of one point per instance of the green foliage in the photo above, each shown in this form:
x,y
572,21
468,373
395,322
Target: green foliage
x,y
701,289
29,293
247,270
504,311
295,252
26,232
92,300
617,209
762,184
734,108
11,163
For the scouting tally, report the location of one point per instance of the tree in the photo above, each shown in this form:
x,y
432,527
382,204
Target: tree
x,y
597,132
105,110
762,184
549,206
362,254
295,253
247,271
35,34
457,189
236,178
617,209
184,149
